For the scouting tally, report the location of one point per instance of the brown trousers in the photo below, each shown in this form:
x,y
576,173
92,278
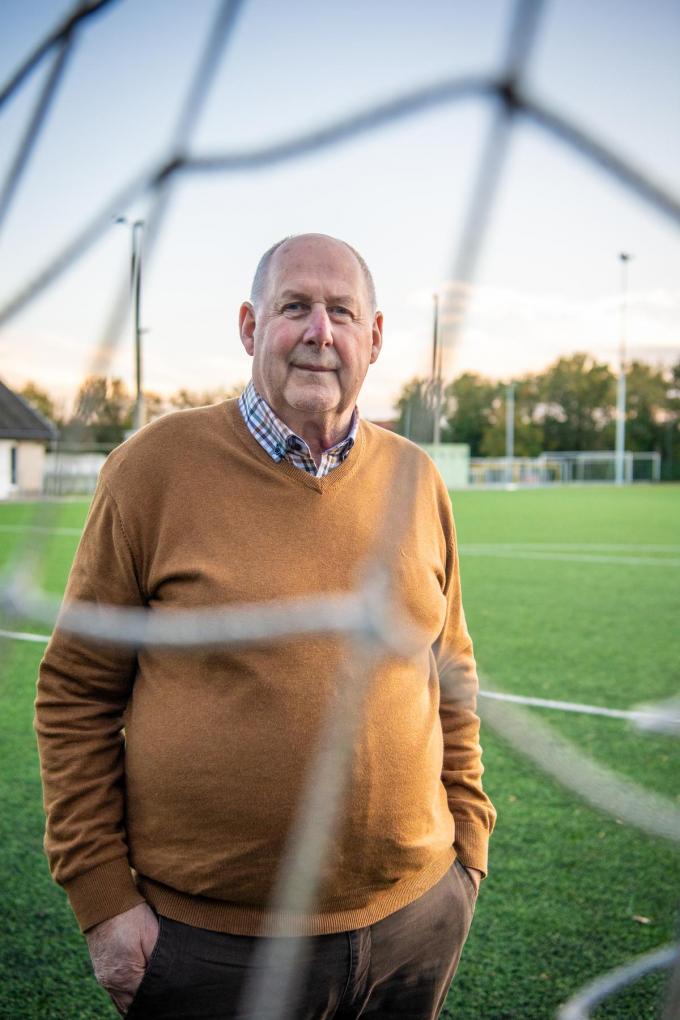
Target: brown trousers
x,y
401,966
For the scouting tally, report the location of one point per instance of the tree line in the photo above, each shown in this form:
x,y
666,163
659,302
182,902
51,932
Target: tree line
x,y
103,409
571,405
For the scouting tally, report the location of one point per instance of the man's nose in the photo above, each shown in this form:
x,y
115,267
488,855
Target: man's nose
x,y
318,329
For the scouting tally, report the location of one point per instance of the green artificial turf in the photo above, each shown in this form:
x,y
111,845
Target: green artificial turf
x,y
566,882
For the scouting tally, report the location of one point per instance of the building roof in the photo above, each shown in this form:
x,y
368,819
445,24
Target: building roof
x,y
19,420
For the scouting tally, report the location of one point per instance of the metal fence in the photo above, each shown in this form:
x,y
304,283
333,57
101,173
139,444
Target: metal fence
x,y
562,468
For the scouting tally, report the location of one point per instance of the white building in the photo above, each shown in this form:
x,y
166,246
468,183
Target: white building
x,y
24,433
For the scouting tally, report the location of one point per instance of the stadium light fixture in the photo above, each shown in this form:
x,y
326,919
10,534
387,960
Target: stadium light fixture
x,y
136,290
621,384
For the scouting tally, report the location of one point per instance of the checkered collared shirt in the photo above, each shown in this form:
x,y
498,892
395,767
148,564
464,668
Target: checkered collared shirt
x,y
280,442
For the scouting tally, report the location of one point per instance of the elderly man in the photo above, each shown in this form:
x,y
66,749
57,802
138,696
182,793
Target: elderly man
x,y
172,779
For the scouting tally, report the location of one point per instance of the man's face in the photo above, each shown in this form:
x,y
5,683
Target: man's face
x,y
313,335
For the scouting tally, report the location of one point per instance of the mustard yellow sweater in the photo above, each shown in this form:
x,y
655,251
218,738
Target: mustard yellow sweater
x,y
174,776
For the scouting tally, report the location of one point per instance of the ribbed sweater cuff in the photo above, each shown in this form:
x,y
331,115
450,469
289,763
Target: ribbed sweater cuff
x,y
472,846
103,892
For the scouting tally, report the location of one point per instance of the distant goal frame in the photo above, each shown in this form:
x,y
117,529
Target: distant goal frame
x,y
579,467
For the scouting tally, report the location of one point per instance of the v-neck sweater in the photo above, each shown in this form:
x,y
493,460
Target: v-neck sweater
x,y
175,776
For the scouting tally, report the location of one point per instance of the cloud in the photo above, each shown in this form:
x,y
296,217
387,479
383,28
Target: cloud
x,y
528,306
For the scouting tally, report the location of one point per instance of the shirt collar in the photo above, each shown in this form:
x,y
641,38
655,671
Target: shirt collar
x,y
275,437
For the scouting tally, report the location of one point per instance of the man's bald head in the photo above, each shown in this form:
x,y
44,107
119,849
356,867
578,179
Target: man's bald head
x,y
259,284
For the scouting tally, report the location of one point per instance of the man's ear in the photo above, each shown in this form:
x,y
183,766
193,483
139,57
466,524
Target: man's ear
x,y
377,336
246,325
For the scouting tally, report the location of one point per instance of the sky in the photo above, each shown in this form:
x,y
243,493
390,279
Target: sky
x,y
548,279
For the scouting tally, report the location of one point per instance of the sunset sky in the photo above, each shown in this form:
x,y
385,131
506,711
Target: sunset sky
x,y
548,281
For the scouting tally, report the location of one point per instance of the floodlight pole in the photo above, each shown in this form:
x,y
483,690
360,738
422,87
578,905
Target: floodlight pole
x,y
621,383
136,291
436,376
509,430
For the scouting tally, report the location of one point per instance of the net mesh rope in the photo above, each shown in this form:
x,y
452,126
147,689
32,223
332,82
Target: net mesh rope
x,y
370,618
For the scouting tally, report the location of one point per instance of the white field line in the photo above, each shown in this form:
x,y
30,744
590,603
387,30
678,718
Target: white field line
x,y
573,546
566,557
518,699
37,528
569,706
566,551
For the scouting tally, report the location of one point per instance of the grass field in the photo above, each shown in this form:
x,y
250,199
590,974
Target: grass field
x,y
569,595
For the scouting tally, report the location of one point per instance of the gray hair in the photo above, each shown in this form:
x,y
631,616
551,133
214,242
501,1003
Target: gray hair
x,y
260,279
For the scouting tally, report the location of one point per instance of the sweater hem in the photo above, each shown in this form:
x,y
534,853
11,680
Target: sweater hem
x,y
240,919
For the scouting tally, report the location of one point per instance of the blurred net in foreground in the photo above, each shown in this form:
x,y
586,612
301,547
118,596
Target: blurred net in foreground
x,y
369,618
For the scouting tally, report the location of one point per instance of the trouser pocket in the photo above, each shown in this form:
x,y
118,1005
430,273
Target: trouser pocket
x,y
155,969
467,881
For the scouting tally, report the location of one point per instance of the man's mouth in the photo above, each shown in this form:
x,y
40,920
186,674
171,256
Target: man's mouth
x,y
313,368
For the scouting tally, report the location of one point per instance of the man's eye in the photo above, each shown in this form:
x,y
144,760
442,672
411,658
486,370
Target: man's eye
x,y
340,310
293,306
